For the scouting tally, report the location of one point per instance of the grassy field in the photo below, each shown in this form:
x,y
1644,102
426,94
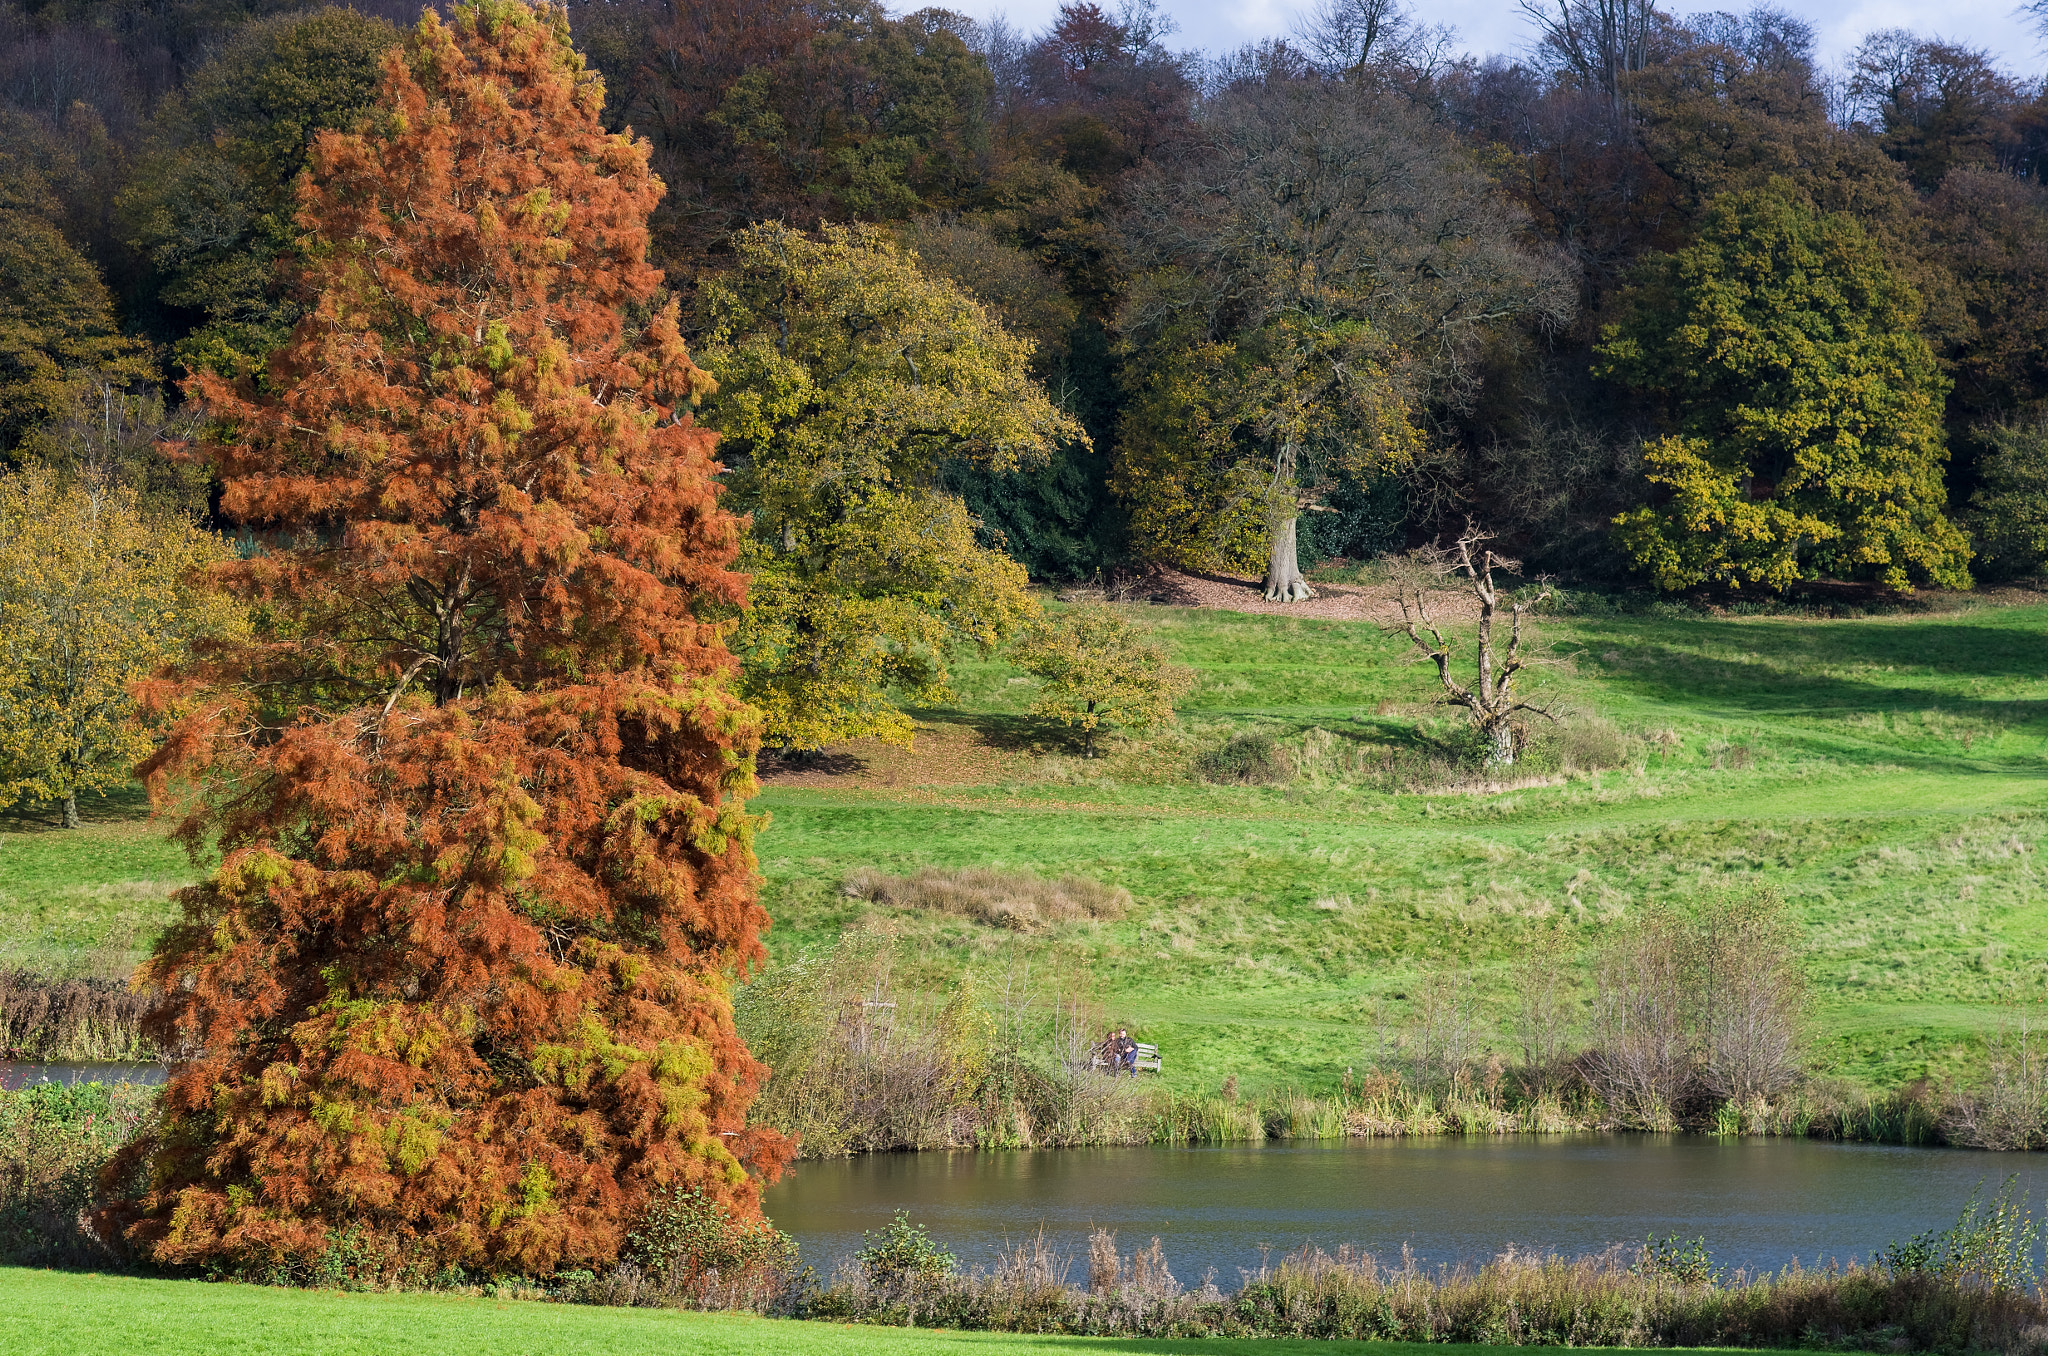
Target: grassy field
x,y
1888,773
46,1313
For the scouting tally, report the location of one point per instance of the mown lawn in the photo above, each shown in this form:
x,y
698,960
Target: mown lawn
x,y
44,1313
1889,774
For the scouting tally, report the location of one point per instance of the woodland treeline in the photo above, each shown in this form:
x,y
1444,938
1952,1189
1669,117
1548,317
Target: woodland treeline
x,y
1652,299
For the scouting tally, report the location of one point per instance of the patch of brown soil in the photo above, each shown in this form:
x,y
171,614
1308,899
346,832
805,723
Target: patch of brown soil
x,y
1333,602
941,754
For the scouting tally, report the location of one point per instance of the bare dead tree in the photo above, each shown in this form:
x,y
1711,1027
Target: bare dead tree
x,y
1493,697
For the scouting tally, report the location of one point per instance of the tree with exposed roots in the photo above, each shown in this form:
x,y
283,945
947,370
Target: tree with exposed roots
x,y
457,994
1320,264
1494,697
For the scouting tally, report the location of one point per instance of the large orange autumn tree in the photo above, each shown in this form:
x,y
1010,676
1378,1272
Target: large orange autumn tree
x,y
456,994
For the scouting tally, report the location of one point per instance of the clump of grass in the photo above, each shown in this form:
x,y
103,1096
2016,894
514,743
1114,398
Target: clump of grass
x,y
1017,900
70,1019
1254,759
1936,1294
1586,744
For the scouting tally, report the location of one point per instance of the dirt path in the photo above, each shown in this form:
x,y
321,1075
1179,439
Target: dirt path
x,y
1333,602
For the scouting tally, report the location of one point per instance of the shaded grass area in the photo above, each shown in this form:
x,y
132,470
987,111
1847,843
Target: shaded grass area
x,y
1889,774
66,1314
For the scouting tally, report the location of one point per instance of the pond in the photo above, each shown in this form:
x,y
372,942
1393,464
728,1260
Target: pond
x,y
14,1076
1760,1203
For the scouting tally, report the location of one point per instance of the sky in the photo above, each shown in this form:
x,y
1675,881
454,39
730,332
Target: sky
x,y
1485,26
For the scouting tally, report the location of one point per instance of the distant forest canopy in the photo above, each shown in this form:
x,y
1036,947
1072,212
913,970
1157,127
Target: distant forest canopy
x,y
1656,299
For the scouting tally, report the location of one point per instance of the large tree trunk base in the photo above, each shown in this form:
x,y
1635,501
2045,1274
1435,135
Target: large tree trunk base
x,y
1284,583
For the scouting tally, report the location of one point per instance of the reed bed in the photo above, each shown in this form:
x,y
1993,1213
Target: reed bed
x,y
85,1020
1625,1297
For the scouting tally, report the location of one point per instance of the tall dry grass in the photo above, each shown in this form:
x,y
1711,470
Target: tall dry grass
x,y
1624,1296
863,1064
1695,1025
87,1020
1017,900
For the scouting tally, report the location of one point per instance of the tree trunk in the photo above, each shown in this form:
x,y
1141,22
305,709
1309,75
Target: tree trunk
x,y
1500,745
1284,583
71,810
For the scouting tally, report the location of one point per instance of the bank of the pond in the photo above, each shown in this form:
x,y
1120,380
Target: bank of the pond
x,y
1097,1112
46,1313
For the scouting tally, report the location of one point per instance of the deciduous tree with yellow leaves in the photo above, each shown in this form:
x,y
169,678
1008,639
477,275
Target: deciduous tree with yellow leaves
x,y
94,594
1803,405
1100,673
848,377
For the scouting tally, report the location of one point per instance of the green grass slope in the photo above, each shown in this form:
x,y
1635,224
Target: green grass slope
x,y
46,1313
1889,774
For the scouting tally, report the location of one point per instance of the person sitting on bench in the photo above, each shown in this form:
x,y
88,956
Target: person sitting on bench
x,y
1126,1051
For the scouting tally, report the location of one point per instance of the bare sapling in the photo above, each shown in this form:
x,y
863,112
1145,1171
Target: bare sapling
x,y
2008,1108
1751,996
1493,697
1446,1028
1641,1058
1543,1015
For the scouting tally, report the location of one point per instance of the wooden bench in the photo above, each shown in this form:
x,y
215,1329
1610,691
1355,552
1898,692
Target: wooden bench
x,y
1148,1059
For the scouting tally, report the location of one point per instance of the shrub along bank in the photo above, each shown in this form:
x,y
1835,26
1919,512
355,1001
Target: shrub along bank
x,y
65,1314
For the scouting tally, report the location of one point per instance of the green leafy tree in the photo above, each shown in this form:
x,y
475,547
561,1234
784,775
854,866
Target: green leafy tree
x,y
211,205
1321,263
2011,502
1804,406
1100,673
94,595
848,378
56,316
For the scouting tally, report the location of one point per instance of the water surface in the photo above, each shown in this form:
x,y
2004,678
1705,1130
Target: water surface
x,y
15,1075
1760,1203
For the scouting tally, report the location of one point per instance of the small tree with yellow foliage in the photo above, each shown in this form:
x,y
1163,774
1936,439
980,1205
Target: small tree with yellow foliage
x,y
848,380
1100,673
94,594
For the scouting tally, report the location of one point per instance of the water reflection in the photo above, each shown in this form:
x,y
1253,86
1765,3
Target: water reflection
x,y
1760,1203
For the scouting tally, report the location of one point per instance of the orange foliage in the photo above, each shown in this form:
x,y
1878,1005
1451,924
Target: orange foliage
x,y
459,984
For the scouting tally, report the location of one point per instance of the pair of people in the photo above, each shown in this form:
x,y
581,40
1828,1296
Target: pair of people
x,y
1121,1052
